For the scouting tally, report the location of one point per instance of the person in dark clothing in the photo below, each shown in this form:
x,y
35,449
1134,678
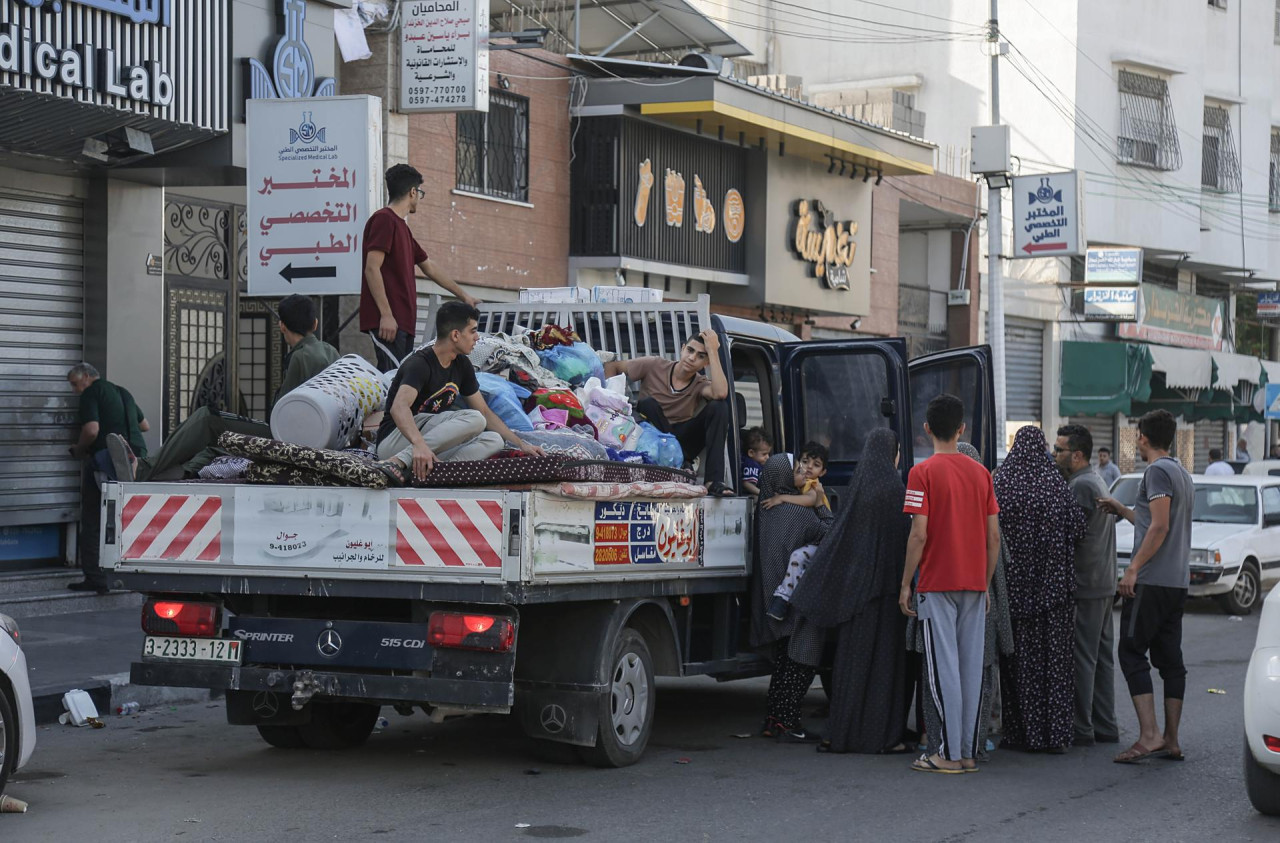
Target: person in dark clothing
x,y
851,585
389,293
105,410
192,445
675,397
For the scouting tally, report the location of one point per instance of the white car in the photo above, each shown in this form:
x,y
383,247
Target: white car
x,y
1235,536
17,714
1262,713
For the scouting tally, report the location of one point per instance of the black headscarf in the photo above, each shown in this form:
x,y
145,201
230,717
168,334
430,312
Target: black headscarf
x,y
862,556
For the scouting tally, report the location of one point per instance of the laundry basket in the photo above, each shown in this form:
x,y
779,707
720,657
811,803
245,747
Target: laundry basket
x,y
326,411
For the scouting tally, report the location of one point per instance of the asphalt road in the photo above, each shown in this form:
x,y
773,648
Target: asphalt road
x,y
183,774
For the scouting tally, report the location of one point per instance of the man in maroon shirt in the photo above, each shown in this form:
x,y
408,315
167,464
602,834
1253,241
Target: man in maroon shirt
x,y
389,294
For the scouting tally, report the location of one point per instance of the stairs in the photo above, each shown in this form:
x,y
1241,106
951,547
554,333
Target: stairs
x,y
43,592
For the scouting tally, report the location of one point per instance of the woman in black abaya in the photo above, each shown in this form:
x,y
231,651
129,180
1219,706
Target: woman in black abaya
x,y
852,585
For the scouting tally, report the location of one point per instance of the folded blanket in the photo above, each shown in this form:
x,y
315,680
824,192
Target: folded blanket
x,y
345,469
505,472
279,474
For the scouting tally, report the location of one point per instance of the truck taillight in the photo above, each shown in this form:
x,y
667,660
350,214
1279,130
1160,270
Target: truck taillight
x,y
178,617
471,632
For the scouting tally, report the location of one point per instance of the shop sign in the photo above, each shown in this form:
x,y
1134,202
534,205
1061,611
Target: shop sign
x,y
444,56
1047,215
138,11
1110,304
314,175
673,203
1269,305
1112,266
293,71
826,244
1271,401
79,64
1172,318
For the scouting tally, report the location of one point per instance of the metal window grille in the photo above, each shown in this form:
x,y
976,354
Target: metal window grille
x,y
493,148
1148,132
1219,165
1273,192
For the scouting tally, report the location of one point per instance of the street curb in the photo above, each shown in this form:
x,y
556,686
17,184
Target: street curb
x,y
112,691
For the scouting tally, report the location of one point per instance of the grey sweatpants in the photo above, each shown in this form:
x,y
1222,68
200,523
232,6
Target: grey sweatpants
x,y
1095,669
955,627
451,435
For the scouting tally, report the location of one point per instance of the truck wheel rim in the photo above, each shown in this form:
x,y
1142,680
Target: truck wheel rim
x,y
1246,589
629,699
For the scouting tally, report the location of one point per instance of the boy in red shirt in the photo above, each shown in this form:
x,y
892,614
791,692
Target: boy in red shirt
x,y
954,541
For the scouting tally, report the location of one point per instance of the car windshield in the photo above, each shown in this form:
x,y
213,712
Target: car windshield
x,y
1226,504
1126,490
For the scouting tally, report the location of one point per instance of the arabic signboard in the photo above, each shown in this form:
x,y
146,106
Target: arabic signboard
x,y
1111,304
444,56
1112,266
1268,305
1172,318
314,178
826,244
138,11
1047,215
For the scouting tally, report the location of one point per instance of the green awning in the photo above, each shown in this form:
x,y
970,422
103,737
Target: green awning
x,y
1103,378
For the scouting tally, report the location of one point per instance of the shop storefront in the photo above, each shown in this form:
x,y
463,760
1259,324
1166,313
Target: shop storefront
x,y
88,91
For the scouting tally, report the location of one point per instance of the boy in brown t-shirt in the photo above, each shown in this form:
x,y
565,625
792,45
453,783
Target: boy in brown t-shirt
x,y
675,397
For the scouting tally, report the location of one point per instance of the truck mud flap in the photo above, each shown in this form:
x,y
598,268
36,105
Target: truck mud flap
x,y
492,697
563,716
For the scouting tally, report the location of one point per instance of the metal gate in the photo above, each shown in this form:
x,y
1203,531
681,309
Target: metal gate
x,y
1024,370
41,337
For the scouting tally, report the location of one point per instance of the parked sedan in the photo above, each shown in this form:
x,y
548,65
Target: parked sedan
x,y
1262,713
17,715
1235,536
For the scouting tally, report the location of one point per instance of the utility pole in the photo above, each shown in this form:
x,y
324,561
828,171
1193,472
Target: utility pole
x,y
995,244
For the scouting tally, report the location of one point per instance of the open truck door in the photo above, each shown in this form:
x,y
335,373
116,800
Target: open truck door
x,y
837,391
966,374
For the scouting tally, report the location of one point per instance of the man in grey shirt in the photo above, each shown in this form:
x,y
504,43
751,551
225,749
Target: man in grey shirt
x,y
1095,563
1155,588
1108,470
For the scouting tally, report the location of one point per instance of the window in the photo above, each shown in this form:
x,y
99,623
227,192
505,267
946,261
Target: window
x,y
1270,500
1219,166
842,400
1148,133
1225,504
960,379
493,148
1273,191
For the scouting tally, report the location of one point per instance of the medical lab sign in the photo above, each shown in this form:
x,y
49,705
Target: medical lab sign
x,y
444,55
314,177
1047,215
1269,305
1110,304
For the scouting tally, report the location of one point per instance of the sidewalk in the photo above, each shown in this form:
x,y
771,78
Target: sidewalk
x,y
91,651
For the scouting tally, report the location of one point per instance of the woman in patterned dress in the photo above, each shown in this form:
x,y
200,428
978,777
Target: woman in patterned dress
x,y
1040,523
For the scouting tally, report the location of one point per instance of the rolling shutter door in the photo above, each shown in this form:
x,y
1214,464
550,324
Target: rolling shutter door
x,y
41,337
1209,434
1102,429
1024,370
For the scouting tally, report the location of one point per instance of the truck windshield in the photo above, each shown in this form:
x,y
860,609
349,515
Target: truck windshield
x,y
840,396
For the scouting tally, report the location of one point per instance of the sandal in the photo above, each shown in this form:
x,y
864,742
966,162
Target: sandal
x,y
1138,753
395,473
720,490
924,764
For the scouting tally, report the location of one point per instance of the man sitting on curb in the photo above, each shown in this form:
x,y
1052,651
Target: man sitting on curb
x,y
675,397
420,426
192,446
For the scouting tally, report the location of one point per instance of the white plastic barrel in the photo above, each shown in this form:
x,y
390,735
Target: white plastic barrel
x,y
326,411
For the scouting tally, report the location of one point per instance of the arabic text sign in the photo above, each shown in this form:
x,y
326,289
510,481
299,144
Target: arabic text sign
x,y
1111,304
1046,215
1113,266
444,56
1269,305
138,11
313,181
1173,318
311,528
648,533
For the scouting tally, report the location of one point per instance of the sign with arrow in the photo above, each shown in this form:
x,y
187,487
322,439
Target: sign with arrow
x,y
1047,215
314,177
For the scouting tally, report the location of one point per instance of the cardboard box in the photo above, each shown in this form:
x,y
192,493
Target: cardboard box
x,y
555,295
626,295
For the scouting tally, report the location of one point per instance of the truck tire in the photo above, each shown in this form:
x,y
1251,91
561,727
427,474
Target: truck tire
x,y
339,725
281,737
626,705
1262,785
1241,599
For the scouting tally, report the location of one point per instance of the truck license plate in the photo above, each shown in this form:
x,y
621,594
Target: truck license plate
x,y
192,649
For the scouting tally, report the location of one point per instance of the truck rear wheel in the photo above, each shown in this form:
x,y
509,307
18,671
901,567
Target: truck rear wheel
x,y
338,725
626,705
281,737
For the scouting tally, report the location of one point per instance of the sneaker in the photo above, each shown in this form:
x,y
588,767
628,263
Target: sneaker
x,y
799,735
85,585
778,608
122,458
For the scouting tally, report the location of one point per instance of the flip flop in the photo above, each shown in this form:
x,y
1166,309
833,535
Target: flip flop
x,y
973,769
1142,754
924,764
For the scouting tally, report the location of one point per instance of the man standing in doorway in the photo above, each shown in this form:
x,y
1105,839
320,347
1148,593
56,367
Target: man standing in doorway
x,y
1154,587
105,409
1107,470
389,292
1095,565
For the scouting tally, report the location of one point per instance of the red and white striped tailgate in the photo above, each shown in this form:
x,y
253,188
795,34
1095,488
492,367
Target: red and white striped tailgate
x,y
184,528
449,533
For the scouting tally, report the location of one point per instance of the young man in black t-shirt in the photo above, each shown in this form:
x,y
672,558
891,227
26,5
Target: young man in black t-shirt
x,y
421,425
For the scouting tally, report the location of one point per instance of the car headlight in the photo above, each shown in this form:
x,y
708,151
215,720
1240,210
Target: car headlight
x,y
1206,557
10,626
